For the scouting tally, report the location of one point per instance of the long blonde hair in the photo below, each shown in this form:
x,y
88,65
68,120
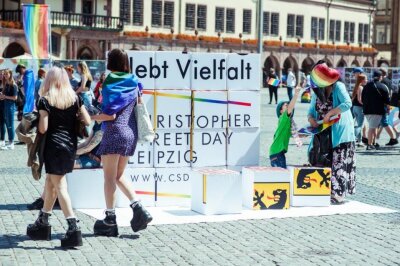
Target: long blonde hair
x,y
57,89
85,70
10,80
360,79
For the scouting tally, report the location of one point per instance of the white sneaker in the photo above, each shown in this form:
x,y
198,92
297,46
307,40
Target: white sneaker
x,y
11,146
2,143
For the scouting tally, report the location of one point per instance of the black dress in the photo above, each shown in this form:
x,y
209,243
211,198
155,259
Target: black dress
x,y
61,138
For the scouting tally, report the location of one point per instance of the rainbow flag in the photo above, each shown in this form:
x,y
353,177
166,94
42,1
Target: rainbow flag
x,y
308,130
274,82
36,28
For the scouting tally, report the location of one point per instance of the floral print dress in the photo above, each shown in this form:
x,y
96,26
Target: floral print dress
x,y
343,177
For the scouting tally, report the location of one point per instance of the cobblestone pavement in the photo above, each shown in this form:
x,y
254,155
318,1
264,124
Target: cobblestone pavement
x,y
359,239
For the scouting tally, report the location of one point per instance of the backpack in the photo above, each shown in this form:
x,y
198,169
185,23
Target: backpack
x,y
321,152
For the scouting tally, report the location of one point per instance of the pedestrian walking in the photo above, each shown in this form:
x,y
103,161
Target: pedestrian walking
x,y
58,108
85,84
28,88
375,97
290,83
358,108
2,112
9,97
335,100
120,94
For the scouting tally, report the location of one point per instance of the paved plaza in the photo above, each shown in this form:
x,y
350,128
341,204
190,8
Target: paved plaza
x,y
352,239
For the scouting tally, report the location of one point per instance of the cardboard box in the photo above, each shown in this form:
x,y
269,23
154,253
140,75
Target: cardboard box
x,y
172,148
209,147
143,182
243,146
244,109
243,72
143,156
266,188
208,71
144,66
216,192
178,66
86,188
173,186
210,109
311,186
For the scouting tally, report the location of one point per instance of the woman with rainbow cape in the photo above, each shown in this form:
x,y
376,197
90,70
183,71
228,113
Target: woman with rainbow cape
x,y
120,95
331,99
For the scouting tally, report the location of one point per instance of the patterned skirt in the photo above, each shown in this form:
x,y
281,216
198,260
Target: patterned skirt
x,y
343,171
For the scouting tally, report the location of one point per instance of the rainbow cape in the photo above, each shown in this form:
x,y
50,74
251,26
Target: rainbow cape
x,y
119,90
274,82
36,29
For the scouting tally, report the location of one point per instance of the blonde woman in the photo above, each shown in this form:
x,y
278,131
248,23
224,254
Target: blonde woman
x,y
85,84
9,97
358,107
58,108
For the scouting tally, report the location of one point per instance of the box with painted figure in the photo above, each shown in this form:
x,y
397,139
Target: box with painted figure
x,y
265,188
142,180
311,186
173,186
216,191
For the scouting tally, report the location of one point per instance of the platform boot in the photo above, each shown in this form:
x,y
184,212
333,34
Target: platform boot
x,y
108,226
73,236
41,229
141,217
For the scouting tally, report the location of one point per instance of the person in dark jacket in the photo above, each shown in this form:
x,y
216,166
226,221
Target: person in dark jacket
x,y
375,97
273,90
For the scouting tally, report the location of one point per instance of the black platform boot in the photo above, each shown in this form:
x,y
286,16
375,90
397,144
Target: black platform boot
x,y
141,217
108,226
73,236
40,230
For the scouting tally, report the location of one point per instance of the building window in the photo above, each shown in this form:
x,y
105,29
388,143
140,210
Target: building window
x,y
190,16
290,25
230,20
266,23
334,30
382,33
346,32
247,21
124,10
352,32
384,7
55,43
168,14
69,6
314,28
321,29
299,26
201,17
366,33
156,13
219,19
137,18
274,24
363,33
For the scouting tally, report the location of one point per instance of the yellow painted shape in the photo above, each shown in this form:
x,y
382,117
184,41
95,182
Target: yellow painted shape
x,y
310,183
269,198
204,189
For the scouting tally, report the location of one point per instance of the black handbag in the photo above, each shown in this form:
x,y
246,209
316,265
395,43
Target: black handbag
x,y
321,152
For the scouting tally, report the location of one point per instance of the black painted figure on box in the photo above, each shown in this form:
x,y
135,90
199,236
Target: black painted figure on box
x,y
58,108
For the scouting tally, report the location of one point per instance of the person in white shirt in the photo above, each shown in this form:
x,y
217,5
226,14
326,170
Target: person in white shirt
x,y
291,83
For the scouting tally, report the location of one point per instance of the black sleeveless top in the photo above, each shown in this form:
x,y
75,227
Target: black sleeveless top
x,y
87,85
356,102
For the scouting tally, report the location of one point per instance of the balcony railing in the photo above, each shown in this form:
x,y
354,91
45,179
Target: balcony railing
x,y
71,20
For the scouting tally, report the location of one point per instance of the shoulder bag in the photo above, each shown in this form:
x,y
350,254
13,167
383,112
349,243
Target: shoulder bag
x,y
145,129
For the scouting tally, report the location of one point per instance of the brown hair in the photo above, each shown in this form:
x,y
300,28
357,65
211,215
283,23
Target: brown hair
x,y
10,79
85,70
41,73
118,61
360,79
69,68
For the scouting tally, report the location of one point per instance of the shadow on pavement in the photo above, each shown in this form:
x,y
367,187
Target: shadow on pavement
x,y
13,207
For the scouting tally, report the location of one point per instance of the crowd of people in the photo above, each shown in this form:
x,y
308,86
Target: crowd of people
x,y
60,103
335,146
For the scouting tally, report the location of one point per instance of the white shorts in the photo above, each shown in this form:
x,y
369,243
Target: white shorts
x,y
373,121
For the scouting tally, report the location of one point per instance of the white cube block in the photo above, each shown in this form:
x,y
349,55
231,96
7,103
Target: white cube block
x,y
216,192
172,148
244,109
86,188
265,188
208,71
243,72
142,180
311,186
143,156
243,146
173,186
143,65
209,147
173,109
178,72
210,109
